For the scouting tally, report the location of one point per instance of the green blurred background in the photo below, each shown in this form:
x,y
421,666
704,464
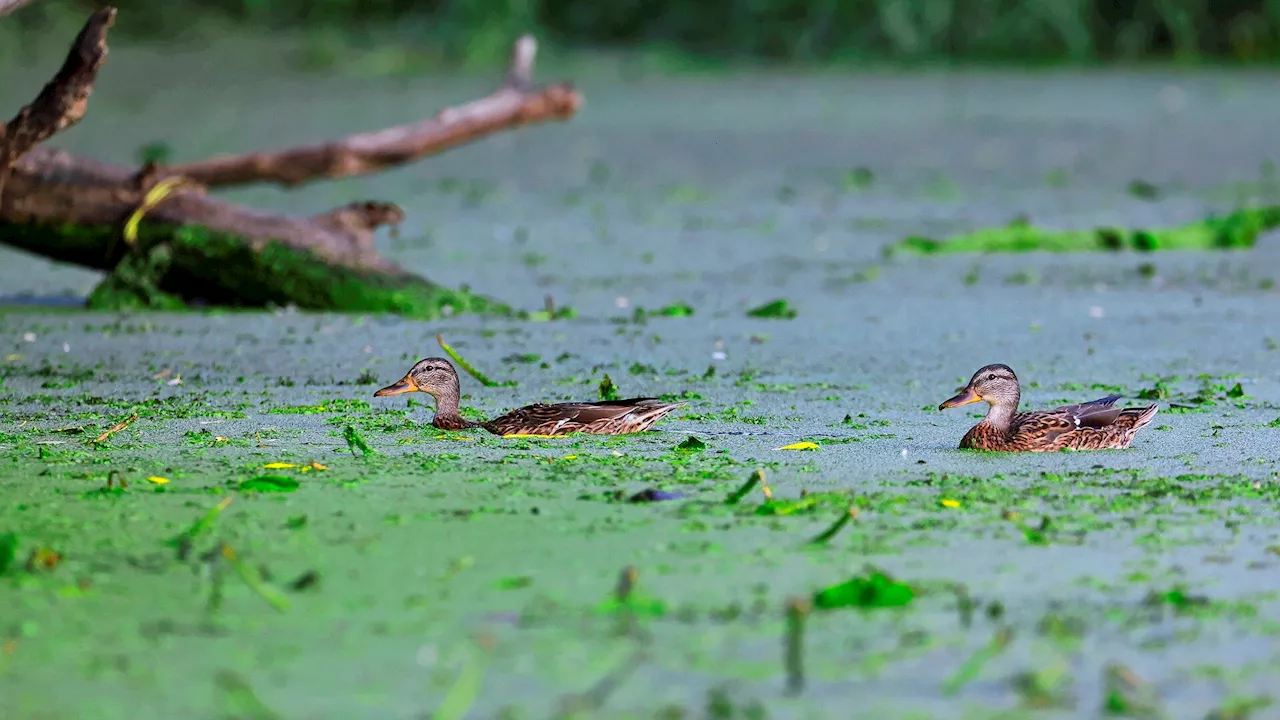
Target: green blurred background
x,y
810,31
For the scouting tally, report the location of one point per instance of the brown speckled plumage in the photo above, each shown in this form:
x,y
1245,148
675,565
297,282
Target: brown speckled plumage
x,y
1093,425
438,378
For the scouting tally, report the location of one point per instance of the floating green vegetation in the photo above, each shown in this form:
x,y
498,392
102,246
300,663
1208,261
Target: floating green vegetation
x,y
679,309
859,178
465,689
778,310
1144,190
237,698
797,612
849,515
972,667
356,442
875,589
1211,391
336,405
756,478
8,551
607,389
690,444
1127,694
806,503
1237,230
484,379
269,483
183,540
626,600
551,313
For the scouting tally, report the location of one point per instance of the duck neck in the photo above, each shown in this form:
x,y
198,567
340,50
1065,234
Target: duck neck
x,y
1000,415
447,415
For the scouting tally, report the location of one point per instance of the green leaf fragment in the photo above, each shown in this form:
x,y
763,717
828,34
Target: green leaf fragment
x,y
269,483
778,309
876,590
691,444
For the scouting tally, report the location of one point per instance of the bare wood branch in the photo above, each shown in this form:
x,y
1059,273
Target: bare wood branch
x,y
64,99
9,6
162,243
511,105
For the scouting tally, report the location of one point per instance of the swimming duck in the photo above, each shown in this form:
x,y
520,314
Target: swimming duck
x,y
438,378
1093,425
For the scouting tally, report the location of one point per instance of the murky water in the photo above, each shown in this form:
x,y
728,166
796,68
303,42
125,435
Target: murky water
x,y
723,193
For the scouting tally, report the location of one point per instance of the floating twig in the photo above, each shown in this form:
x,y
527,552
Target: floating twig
x,y
756,478
239,699
626,584
1126,693
484,379
268,592
964,605
115,476
114,429
971,667
797,611
184,539
849,515
462,694
594,699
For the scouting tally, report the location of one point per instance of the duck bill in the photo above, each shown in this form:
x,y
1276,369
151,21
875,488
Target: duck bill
x,y
404,385
965,396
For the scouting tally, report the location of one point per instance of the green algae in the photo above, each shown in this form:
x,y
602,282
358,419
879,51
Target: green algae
x,y
777,310
8,551
356,442
172,266
875,589
690,444
1237,230
269,483
607,389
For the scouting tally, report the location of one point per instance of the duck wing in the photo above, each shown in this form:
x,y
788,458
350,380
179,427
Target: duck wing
x,y
612,416
1092,414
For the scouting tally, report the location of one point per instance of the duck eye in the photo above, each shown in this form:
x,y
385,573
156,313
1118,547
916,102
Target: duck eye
x,y
992,376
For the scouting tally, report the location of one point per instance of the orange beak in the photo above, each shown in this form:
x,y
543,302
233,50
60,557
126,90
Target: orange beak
x,y
964,397
404,385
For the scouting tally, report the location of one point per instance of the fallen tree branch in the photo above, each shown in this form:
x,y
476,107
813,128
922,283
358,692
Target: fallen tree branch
x,y
64,99
513,104
164,242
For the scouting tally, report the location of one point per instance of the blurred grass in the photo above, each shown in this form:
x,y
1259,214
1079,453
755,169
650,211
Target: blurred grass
x,y
479,32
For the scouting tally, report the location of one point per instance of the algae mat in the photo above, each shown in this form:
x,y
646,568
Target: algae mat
x,y
232,551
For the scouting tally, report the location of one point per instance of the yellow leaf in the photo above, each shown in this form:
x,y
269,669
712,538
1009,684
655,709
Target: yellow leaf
x,y
949,503
158,480
800,446
570,457
317,466
219,438
527,435
279,466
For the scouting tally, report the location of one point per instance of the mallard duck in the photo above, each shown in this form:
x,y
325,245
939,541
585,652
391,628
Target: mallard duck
x,y
438,378
1093,425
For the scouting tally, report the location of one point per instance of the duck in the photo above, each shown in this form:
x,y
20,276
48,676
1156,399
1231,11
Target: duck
x,y
1093,425
438,378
